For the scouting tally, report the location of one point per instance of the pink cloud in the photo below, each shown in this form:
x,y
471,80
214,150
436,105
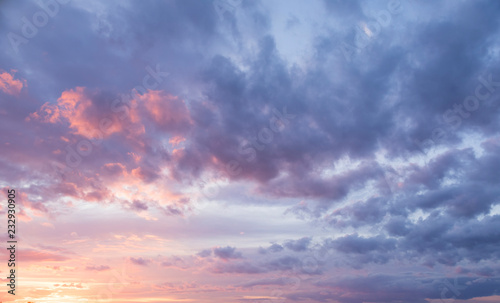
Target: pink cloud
x,y
37,208
31,255
114,169
145,174
168,112
75,107
72,285
9,85
176,140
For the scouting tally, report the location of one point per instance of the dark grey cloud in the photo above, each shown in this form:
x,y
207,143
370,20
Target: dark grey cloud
x,y
226,253
271,281
391,288
360,245
273,248
298,245
239,268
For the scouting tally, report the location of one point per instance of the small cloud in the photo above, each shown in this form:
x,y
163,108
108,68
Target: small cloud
x,y
273,248
10,86
140,261
98,268
72,285
176,140
139,206
227,252
298,245
204,253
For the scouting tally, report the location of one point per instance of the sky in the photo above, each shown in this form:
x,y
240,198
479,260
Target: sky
x,y
252,151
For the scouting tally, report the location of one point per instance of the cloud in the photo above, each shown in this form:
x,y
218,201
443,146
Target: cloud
x,y
140,261
138,205
205,253
298,245
273,248
238,268
360,245
384,157
98,268
71,285
79,108
32,255
226,253
179,262
168,112
9,85
282,281
393,288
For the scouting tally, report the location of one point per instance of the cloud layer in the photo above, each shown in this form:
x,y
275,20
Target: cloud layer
x,y
221,151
